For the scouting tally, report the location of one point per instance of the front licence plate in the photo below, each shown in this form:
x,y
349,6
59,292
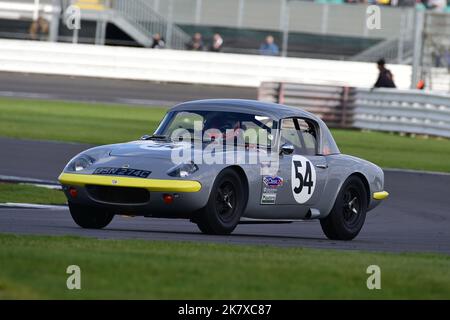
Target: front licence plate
x,y
122,172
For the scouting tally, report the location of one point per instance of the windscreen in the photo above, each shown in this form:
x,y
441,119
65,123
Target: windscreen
x,y
207,125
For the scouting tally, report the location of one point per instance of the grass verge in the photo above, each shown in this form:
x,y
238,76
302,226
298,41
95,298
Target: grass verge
x,y
21,193
35,267
394,151
75,121
101,124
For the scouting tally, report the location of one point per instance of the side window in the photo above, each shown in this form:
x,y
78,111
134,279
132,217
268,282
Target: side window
x,y
308,136
289,134
301,133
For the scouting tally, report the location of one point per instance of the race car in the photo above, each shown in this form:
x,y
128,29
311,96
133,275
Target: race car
x,y
222,162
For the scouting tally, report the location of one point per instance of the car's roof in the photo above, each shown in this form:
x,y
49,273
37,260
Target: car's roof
x,y
274,110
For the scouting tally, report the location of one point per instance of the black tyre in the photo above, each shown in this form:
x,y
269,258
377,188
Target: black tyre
x,y
349,211
225,205
90,217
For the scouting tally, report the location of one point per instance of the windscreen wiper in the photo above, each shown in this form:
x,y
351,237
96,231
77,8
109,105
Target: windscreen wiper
x,y
155,137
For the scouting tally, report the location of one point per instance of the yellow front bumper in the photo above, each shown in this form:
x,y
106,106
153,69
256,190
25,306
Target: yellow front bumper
x,y
149,184
380,195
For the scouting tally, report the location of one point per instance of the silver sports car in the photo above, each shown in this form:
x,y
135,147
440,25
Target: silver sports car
x,y
224,162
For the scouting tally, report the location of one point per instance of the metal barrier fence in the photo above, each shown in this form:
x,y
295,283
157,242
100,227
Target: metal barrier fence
x,y
405,111
334,104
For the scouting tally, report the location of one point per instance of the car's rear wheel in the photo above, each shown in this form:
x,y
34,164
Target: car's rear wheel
x,y
90,217
349,211
225,205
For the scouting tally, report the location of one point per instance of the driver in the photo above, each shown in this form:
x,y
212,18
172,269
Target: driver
x,y
223,124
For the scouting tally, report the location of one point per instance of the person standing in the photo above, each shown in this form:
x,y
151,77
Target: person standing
x,y
385,77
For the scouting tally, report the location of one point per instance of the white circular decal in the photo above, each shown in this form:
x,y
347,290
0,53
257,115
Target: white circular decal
x,y
303,179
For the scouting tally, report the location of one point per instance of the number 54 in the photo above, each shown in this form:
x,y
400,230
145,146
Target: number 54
x,y
305,181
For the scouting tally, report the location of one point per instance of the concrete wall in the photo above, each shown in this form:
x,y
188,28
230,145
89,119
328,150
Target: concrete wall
x,y
185,66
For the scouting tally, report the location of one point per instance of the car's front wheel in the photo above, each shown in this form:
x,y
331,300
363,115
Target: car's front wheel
x,y
349,211
90,217
225,205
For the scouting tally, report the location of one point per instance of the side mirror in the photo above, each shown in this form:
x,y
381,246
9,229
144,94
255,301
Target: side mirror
x,y
145,137
287,148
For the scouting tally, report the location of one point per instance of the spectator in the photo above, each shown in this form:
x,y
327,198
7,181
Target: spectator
x,y
268,47
38,29
217,42
158,42
196,43
385,77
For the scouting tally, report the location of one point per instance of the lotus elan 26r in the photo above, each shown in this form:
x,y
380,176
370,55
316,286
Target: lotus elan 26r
x,y
224,162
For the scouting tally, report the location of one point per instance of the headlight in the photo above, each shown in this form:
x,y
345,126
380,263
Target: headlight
x,y
87,159
80,163
183,170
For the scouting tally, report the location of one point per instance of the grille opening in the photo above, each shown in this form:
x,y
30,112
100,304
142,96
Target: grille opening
x,y
119,194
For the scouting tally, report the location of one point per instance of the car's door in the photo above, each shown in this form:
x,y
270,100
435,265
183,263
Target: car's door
x,y
304,171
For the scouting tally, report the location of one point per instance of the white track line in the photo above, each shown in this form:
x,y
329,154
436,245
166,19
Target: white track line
x,y
32,206
416,171
37,182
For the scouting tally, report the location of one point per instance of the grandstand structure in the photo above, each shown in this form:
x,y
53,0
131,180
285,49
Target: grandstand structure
x,y
322,29
135,19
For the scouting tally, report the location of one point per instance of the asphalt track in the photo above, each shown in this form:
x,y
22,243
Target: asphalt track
x,y
54,87
416,217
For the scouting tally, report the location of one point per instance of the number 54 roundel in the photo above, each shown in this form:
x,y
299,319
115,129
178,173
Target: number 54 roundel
x,y
303,177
